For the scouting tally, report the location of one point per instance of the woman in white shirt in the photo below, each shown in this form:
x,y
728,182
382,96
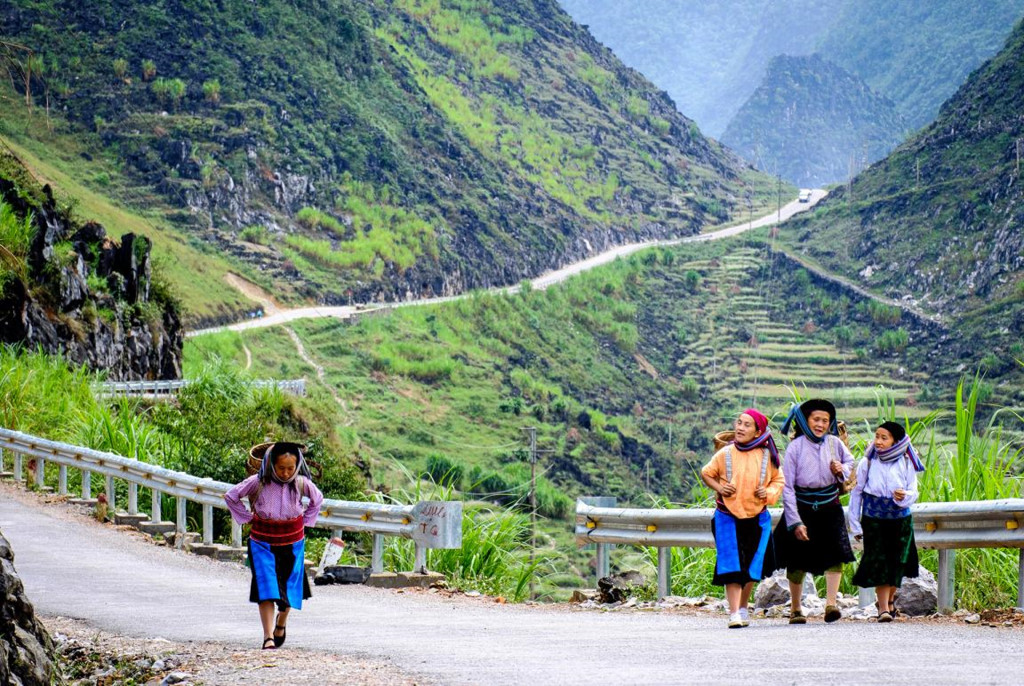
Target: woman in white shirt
x,y
880,513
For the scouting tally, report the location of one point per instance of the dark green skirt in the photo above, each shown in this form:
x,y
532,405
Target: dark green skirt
x,y
890,553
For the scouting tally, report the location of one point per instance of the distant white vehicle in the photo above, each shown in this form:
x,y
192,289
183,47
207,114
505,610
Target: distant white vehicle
x,y
805,195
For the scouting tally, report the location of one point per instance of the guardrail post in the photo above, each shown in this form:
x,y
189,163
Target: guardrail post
x,y
62,479
40,473
236,534
86,485
420,565
2,460
947,568
155,515
19,475
207,524
133,498
179,524
1020,580
664,572
603,563
865,597
111,504
377,559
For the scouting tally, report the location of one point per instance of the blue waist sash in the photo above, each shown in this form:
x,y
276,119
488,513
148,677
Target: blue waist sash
x,y
728,559
817,497
877,507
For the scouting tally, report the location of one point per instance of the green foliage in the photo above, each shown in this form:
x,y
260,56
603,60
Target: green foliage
x,y
892,341
444,471
15,238
168,91
493,558
211,91
43,395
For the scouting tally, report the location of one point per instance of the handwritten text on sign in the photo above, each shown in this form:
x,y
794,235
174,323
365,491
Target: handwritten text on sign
x,y
437,524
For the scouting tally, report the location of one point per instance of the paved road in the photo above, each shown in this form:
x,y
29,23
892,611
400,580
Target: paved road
x,y
77,568
542,281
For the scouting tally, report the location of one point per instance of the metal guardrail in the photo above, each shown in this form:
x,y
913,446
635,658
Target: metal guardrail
x,y
430,524
170,388
941,526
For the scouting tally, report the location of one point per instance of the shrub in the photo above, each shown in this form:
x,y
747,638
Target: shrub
x,y
444,471
211,91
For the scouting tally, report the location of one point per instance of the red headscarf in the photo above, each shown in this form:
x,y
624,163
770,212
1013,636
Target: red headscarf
x,y
760,421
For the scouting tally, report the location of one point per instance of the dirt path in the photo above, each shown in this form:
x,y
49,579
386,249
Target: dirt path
x,y
139,591
320,374
254,292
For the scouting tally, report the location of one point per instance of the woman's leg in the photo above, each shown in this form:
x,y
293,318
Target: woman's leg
x,y
832,586
267,618
282,619
745,594
732,595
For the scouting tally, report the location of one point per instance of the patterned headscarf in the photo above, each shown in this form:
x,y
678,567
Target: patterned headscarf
x,y
798,419
765,439
901,447
276,450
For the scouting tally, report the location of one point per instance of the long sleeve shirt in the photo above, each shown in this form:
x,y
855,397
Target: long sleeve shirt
x,y
807,465
746,477
275,501
882,480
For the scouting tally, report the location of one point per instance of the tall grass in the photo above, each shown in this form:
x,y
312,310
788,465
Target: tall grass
x,y
494,557
43,395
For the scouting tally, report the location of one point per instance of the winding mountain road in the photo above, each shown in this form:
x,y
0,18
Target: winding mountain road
x,y
276,315
75,567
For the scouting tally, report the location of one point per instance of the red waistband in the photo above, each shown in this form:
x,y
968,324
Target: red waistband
x,y
278,531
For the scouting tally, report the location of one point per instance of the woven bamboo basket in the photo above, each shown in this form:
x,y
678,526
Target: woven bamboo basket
x,y
723,438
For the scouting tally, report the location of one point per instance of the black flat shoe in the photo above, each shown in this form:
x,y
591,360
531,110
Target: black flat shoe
x,y
279,640
272,641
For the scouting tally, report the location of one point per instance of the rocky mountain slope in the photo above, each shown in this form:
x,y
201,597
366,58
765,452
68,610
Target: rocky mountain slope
x,y
68,289
388,149
938,222
813,122
711,57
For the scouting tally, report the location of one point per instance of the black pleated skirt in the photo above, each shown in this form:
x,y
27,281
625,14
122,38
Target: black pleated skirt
x,y
829,543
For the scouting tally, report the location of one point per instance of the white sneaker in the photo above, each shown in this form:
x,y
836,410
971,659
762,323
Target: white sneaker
x,y
745,616
736,621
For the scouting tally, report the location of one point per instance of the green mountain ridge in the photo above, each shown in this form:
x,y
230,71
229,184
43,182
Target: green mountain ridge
x,y
712,57
813,123
352,151
938,222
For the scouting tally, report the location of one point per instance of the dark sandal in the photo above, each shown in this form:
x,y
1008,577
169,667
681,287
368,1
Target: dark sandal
x,y
272,641
279,640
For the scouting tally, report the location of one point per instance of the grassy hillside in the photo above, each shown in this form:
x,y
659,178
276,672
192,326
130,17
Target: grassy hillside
x,y
348,151
937,222
626,371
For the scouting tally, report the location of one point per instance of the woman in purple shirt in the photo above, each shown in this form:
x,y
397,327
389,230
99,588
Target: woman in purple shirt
x,y
277,552
811,537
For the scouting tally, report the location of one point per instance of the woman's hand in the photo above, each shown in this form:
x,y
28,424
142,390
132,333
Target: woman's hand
x,y
899,494
801,533
761,492
837,467
726,489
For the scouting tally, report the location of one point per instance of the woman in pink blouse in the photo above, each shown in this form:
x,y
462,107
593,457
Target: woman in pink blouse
x,y
277,538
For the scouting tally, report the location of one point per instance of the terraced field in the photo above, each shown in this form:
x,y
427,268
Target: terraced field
x,y
745,356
